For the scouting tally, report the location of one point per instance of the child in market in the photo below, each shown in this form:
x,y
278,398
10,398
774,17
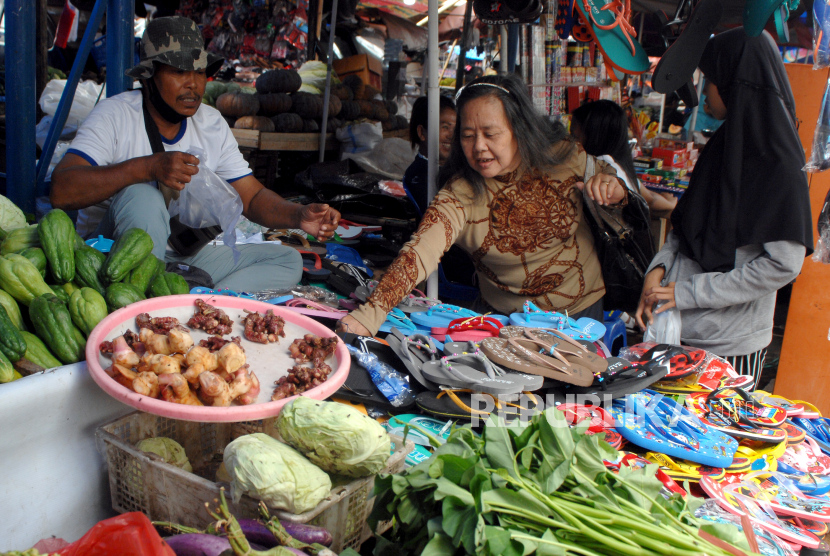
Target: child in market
x,y
743,228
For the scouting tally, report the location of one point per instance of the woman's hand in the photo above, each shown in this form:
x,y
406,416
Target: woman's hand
x,y
652,281
605,189
351,325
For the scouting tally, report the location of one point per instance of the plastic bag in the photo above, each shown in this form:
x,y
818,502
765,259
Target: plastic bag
x,y
86,97
389,158
820,155
130,534
392,384
665,328
768,544
822,251
821,34
358,138
208,200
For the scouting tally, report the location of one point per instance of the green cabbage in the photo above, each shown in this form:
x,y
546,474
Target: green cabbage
x,y
337,437
11,217
167,449
268,470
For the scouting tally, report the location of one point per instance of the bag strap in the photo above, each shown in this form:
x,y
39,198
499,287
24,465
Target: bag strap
x,y
153,133
603,219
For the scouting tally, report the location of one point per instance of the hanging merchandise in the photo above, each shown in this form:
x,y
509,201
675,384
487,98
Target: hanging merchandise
x,y
820,156
821,34
510,11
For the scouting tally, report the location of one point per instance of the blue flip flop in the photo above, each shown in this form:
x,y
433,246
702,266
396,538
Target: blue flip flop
x,y
808,483
440,316
656,423
398,319
533,316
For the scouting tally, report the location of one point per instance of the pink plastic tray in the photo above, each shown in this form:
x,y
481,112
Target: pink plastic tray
x,y
269,361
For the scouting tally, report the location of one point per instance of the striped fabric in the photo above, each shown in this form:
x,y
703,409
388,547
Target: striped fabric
x,y
752,364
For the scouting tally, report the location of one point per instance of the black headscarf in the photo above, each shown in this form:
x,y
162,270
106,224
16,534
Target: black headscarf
x,y
748,186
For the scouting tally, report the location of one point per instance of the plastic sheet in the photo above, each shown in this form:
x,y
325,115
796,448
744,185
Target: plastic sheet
x,y
768,544
208,200
820,154
358,138
665,328
821,34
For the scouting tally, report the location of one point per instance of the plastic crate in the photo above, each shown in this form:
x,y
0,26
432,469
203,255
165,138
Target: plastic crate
x,y
142,482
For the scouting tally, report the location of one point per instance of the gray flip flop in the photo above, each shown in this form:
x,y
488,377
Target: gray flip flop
x,y
530,383
414,351
455,371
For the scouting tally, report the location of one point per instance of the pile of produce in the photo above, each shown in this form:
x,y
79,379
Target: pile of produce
x,y
539,488
55,285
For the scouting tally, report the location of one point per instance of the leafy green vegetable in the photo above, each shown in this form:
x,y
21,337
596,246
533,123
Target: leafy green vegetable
x,y
536,488
168,449
11,217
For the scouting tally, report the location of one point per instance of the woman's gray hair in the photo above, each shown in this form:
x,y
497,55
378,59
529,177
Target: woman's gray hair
x,y
535,134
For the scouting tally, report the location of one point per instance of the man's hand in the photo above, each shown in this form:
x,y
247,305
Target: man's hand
x,y
652,281
319,220
173,169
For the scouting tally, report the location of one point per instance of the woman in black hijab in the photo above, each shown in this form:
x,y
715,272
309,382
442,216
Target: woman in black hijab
x,y
743,228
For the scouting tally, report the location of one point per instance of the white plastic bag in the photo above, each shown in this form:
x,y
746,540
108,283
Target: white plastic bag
x,y
208,200
86,96
358,138
665,328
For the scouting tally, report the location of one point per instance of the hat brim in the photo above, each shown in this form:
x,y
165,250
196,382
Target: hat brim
x,y
145,69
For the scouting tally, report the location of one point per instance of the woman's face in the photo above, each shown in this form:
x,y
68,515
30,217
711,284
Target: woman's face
x,y
487,138
445,134
714,105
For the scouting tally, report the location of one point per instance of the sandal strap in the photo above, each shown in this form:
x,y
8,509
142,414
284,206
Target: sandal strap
x,y
536,357
421,341
488,367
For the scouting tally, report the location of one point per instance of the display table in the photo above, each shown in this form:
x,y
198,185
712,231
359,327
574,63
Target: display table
x,y
54,481
264,141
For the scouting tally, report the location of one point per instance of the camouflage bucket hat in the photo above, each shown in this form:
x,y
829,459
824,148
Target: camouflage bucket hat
x,y
177,42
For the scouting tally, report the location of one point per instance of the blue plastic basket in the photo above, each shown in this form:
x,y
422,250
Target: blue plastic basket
x,y
99,51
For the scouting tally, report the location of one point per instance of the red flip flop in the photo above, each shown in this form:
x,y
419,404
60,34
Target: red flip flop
x,y
468,329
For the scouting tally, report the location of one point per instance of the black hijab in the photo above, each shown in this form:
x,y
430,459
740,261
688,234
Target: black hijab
x,y
748,186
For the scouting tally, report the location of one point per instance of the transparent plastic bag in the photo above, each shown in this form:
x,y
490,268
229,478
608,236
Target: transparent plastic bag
x,y
821,34
820,155
768,544
822,251
666,327
392,384
208,200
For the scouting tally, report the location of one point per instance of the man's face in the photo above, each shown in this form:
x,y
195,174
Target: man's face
x,y
182,90
445,135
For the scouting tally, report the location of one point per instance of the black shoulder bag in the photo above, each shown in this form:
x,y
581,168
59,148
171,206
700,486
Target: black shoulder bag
x,y
184,239
623,242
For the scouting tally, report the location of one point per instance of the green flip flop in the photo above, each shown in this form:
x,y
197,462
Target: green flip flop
x,y
614,34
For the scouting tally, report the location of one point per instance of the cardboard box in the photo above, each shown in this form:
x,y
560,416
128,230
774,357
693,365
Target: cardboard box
x,y
369,69
647,163
671,157
672,144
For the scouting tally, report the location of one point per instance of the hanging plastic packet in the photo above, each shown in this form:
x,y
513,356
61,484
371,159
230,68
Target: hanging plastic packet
x,y
207,201
821,34
392,384
665,328
820,155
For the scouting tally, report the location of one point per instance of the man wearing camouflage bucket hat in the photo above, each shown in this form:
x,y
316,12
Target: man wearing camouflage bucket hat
x,y
119,181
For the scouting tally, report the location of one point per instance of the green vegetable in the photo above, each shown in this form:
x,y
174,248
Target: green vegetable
x,y
87,308
539,486
12,344
6,369
120,295
88,263
168,283
53,325
59,292
57,237
10,305
127,253
11,217
143,274
336,437
20,239
37,257
168,449
20,279
268,470
79,241
37,352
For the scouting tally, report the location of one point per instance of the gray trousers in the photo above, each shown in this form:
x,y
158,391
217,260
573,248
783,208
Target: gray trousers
x,y
260,267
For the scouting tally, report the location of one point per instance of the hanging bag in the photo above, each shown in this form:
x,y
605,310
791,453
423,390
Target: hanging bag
x,y
623,242
185,240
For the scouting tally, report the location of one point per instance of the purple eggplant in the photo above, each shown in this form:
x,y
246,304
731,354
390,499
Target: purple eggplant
x,y
198,544
256,531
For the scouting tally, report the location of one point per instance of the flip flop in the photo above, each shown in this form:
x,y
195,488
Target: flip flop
x,y
795,435
465,371
414,351
600,421
345,278
784,496
747,410
758,12
681,470
622,378
351,230
438,429
659,424
470,329
611,27
313,270
530,383
564,18
808,483
716,374
728,425
683,361
397,319
813,431
793,409
441,315
817,528
456,404
572,350
314,309
583,329
678,64
759,512
807,457
810,411
296,241
417,303
633,460
521,355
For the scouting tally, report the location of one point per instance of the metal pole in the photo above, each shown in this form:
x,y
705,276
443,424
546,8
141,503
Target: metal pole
x,y
120,45
65,104
21,102
461,70
503,54
327,94
693,118
434,104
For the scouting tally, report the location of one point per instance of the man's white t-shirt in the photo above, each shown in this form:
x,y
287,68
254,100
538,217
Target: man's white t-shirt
x,y
114,132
